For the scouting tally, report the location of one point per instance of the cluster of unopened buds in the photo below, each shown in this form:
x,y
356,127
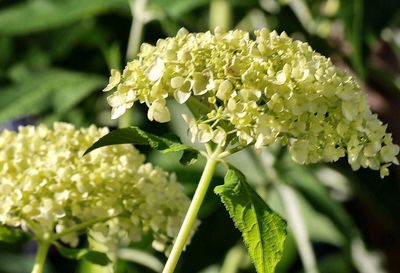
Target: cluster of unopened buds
x,y
257,92
48,187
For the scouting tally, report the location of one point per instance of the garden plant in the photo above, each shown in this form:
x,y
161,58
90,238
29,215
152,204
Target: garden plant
x,y
101,197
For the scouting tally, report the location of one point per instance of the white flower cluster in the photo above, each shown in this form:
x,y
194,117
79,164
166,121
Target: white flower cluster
x,y
258,91
48,187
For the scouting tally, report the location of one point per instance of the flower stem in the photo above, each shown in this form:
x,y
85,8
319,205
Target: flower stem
x,y
191,215
233,150
138,8
81,226
41,257
220,14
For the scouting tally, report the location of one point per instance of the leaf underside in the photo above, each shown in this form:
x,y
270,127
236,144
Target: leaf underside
x,y
134,135
92,256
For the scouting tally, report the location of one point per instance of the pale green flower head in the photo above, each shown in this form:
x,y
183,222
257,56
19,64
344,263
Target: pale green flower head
x,y
48,187
260,91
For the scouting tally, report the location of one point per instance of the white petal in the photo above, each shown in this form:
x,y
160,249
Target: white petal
x,y
118,111
182,32
224,90
205,133
200,82
349,110
156,71
114,80
158,112
281,77
177,82
299,151
181,97
116,99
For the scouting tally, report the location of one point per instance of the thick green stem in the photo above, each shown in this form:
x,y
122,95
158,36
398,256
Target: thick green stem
x,y
220,14
233,150
125,120
138,9
191,215
81,227
356,38
41,257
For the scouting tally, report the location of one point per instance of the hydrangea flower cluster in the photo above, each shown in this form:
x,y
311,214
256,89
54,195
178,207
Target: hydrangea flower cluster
x,y
48,187
259,92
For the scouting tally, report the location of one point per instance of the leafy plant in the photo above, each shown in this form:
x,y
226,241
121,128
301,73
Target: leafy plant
x,y
53,65
244,106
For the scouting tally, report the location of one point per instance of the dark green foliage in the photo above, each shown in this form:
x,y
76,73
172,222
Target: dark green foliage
x,y
134,135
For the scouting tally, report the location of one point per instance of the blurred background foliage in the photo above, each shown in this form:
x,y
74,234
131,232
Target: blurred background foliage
x,y
55,57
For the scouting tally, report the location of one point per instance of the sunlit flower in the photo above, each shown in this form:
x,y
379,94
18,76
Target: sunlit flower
x,y
48,187
259,91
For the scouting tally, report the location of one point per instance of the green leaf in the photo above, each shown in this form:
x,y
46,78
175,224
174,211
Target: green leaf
x,y
263,230
92,256
40,15
72,88
189,157
352,13
134,135
96,257
12,235
53,87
